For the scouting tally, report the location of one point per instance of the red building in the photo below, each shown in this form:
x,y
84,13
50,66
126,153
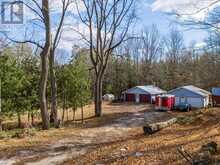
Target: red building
x,y
165,102
216,96
142,94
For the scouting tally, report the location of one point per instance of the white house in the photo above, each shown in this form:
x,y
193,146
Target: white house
x,y
142,94
196,97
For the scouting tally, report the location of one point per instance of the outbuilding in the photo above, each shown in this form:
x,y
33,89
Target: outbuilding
x,y
108,97
196,97
216,95
142,94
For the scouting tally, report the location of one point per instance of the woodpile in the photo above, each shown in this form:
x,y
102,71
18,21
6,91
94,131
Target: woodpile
x,y
154,127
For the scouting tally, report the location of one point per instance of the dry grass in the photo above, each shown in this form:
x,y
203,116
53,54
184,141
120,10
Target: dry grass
x,y
43,139
193,130
160,148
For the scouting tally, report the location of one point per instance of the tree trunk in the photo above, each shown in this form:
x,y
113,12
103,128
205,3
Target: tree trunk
x,y
44,65
98,97
19,120
0,105
28,116
43,88
82,114
53,114
64,104
32,119
0,124
63,115
74,113
67,114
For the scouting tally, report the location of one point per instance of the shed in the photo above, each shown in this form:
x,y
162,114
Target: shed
x,y
216,95
196,97
108,97
142,94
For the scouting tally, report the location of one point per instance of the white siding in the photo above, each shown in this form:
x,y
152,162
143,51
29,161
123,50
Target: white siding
x,y
195,102
206,101
137,98
177,100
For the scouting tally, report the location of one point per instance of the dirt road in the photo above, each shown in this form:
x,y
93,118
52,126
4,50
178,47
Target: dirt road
x,y
86,139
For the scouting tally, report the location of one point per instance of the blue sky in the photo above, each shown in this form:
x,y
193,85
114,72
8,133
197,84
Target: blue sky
x,y
149,12
165,22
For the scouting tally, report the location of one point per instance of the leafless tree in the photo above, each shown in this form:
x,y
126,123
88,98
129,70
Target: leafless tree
x,y
108,23
151,49
173,47
43,21
211,21
42,11
55,42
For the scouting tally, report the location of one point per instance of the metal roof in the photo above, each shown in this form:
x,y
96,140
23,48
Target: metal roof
x,y
151,89
216,91
166,95
195,89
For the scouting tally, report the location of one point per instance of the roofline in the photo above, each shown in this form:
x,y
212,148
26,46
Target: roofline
x,y
189,91
139,87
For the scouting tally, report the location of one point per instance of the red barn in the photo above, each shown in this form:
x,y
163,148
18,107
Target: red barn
x,y
216,96
142,94
165,102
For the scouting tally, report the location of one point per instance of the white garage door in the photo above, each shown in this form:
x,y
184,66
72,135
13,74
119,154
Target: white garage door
x,y
195,102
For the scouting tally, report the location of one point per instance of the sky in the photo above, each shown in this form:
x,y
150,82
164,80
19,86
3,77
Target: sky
x,y
154,12
149,12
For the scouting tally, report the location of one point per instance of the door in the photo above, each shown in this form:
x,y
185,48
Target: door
x,y
144,98
130,97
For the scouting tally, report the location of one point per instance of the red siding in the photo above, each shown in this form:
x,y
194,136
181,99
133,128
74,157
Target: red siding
x,y
216,99
165,102
130,97
145,98
157,101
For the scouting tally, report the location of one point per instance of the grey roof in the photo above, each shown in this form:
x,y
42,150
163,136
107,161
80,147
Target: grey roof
x,y
151,89
194,89
216,91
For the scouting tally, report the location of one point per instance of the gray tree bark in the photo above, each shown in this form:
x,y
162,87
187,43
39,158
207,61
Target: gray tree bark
x,y
53,114
44,65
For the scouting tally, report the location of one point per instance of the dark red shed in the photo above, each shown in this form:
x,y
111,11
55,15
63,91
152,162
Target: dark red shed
x,y
216,95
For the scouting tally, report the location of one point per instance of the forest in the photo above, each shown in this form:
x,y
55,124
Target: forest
x,y
164,62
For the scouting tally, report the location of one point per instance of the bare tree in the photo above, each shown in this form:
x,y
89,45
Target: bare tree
x,y
108,23
42,11
55,42
44,63
151,49
210,21
173,47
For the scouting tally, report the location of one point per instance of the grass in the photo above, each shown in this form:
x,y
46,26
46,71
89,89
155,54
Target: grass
x,y
12,143
198,128
192,130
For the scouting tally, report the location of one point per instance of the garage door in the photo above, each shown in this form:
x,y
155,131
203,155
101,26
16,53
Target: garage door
x,y
195,102
130,97
145,98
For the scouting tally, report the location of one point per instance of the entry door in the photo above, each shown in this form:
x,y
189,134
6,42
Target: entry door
x,y
182,99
